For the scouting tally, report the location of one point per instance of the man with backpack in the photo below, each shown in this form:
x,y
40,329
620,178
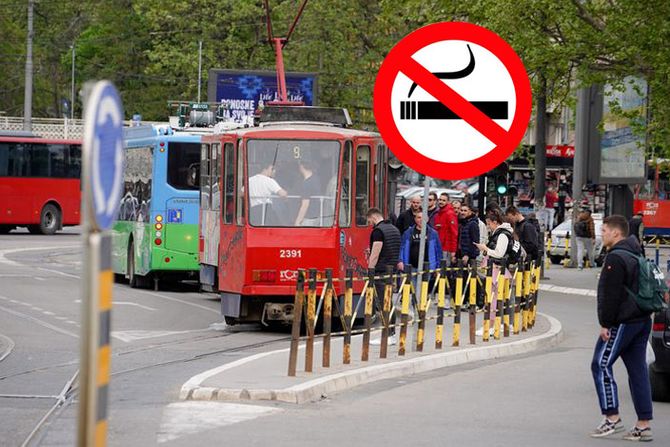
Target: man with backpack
x,y
630,288
525,231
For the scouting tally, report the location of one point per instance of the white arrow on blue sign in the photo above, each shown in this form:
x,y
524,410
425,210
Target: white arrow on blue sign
x,y
103,147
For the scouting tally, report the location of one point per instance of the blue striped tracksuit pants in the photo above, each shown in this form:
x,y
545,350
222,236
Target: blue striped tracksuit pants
x,y
628,341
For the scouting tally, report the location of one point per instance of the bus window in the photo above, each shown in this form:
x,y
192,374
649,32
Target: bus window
x,y
214,173
240,185
345,196
183,163
205,185
11,159
380,180
229,183
362,184
74,167
37,161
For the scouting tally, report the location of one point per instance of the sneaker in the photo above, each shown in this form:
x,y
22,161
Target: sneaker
x,y
393,340
639,434
607,428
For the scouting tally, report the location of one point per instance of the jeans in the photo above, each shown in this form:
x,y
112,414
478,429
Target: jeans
x,y
628,341
585,243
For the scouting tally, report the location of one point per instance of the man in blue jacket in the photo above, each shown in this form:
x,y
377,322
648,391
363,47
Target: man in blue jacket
x,y
468,234
411,243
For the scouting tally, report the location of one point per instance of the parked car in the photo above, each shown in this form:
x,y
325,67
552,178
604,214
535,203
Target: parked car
x,y
659,369
558,237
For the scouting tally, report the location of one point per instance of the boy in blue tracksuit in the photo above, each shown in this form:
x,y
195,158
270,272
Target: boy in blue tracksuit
x,y
410,245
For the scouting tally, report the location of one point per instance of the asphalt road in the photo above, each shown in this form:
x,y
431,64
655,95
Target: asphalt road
x,y
159,340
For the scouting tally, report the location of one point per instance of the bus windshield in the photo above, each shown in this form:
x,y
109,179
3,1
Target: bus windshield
x,y
292,182
184,166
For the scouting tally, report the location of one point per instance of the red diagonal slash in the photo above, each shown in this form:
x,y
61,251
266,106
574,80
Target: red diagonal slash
x,y
459,105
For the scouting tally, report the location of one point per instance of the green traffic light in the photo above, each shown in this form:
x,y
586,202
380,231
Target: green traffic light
x,y
502,189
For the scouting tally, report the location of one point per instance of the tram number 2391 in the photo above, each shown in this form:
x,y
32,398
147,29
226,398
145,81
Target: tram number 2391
x,y
290,253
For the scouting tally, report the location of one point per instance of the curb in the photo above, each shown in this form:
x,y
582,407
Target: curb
x,y
315,389
4,340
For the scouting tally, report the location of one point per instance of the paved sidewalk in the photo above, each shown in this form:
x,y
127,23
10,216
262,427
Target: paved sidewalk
x,y
264,376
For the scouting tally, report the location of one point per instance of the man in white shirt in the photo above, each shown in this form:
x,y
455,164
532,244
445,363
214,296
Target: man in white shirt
x,y
262,187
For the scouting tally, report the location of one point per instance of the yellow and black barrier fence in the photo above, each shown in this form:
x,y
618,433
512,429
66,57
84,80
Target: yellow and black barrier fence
x,y
507,297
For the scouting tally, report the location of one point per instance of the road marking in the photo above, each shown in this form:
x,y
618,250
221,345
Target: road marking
x,y
568,290
39,309
40,278
4,260
127,303
169,298
72,322
129,336
58,272
10,345
38,321
191,417
46,312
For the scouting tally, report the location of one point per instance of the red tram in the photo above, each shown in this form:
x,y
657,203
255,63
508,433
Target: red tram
x,y
653,200
290,193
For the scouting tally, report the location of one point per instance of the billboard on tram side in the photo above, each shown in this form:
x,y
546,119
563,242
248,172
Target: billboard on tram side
x,y
242,90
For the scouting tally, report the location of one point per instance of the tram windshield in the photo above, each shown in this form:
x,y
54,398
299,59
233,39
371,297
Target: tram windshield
x,y
292,183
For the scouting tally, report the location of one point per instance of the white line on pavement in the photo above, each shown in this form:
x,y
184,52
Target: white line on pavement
x,y
568,290
38,321
58,272
169,298
127,303
10,345
3,253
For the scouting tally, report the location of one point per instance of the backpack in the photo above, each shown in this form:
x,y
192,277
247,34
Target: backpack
x,y
651,285
581,229
515,251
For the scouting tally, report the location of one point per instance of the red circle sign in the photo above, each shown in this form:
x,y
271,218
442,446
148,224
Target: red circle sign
x,y
451,105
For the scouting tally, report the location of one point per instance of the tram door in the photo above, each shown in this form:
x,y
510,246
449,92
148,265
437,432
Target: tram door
x,y
232,220
356,198
210,202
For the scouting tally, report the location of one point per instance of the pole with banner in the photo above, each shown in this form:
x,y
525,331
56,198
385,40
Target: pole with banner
x,y
102,183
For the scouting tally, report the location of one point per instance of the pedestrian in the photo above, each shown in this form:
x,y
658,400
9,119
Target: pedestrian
x,y
411,244
432,207
525,231
262,187
624,332
406,218
445,222
550,199
383,251
637,228
456,205
585,233
468,234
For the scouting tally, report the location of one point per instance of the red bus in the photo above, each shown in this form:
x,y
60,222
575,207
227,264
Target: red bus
x,y
39,183
252,246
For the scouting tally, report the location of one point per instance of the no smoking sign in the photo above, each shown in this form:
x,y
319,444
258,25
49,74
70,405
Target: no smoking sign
x,y
452,100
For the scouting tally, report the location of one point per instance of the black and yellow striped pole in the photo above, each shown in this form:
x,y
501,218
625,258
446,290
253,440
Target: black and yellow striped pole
x,y
488,287
102,183
386,311
369,299
423,305
458,299
506,307
348,309
526,296
473,300
499,301
327,318
404,311
536,287
441,289
309,321
518,293
297,321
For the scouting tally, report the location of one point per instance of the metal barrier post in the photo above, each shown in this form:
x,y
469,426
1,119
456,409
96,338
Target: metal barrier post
x,y
473,300
406,290
386,312
327,318
518,291
311,307
348,307
297,320
369,297
423,303
566,259
506,307
526,296
547,258
536,288
457,305
499,301
441,288
486,327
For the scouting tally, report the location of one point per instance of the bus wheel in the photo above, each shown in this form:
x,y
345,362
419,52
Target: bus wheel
x,y
49,219
134,280
5,229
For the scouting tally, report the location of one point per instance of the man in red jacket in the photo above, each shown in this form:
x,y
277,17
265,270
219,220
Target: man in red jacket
x,y
446,223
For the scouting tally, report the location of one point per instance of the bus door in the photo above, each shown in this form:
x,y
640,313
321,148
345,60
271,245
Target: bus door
x,y
232,255
210,204
355,201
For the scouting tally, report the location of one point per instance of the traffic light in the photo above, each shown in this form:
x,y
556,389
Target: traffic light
x,y
501,185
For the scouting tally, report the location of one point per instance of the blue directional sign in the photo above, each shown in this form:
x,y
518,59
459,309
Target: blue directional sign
x,y
103,149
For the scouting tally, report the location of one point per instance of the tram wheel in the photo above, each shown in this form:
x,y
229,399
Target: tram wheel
x,y
231,321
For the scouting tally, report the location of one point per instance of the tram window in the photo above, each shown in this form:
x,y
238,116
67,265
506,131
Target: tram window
x,y
362,184
380,179
229,183
240,186
205,185
183,165
214,172
345,196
